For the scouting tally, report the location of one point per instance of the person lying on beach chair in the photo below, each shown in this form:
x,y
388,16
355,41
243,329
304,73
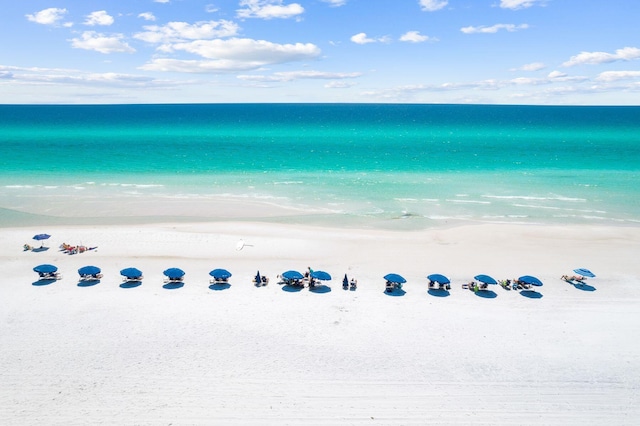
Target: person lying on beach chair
x,y
578,278
27,247
506,284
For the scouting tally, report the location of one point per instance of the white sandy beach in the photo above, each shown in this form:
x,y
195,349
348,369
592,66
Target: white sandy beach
x,y
103,354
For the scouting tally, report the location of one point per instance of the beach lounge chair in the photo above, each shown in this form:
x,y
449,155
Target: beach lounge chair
x,y
89,273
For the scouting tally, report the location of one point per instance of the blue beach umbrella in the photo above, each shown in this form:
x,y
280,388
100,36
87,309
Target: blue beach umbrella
x,y
292,275
528,279
173,273
321,275
258,278
584,272
345,281
220,274
45,269
131,272
438,278
89,270
395,278
486,279
40,237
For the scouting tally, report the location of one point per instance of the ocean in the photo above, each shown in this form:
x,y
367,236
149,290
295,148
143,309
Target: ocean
x,y
367,165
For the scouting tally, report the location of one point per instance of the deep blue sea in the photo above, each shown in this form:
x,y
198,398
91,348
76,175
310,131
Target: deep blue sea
x,y
429,165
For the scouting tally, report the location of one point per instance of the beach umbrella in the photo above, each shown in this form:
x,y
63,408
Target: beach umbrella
x,y
321,275
292,275
438,278
131,272
584,272
89,270
528,279
395,278
173,273
345,281
220,274
258,278
486,279
45,269
41,237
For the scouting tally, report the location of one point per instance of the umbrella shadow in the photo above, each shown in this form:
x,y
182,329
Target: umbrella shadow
x,y
531,294
291,288
486,294
43,282
439,292
173,286
320,289
131,284
39,249
584,287
396,292
219,286
88,283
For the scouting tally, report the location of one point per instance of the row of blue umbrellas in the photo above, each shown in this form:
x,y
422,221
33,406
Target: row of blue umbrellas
x,y
131,273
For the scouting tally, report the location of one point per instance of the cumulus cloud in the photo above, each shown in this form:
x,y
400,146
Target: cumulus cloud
x,y
493,29
182,31
50,16
594,58
147,16
520,4
211,8
432,5
362,38
91,40
297,75
610,76
533,66
233,55
415,37
99,17
268,9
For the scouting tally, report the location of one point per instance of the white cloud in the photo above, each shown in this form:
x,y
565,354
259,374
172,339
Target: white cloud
x,y
556,74
49,16
362,38
297,75
162,1
147,16
211,8
610,76
533,66
233,55
493,29
432,5
268,9
336,3
48,76
90,40
594,58
415,37
100,17
181,31
520,4
338,85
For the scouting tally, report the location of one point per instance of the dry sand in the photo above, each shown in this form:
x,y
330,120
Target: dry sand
x,y
104,354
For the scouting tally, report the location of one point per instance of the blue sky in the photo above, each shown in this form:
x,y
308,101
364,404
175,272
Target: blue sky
x,y
578,52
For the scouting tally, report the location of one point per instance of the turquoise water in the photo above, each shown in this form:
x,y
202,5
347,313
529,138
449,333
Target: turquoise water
x,y
429,164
